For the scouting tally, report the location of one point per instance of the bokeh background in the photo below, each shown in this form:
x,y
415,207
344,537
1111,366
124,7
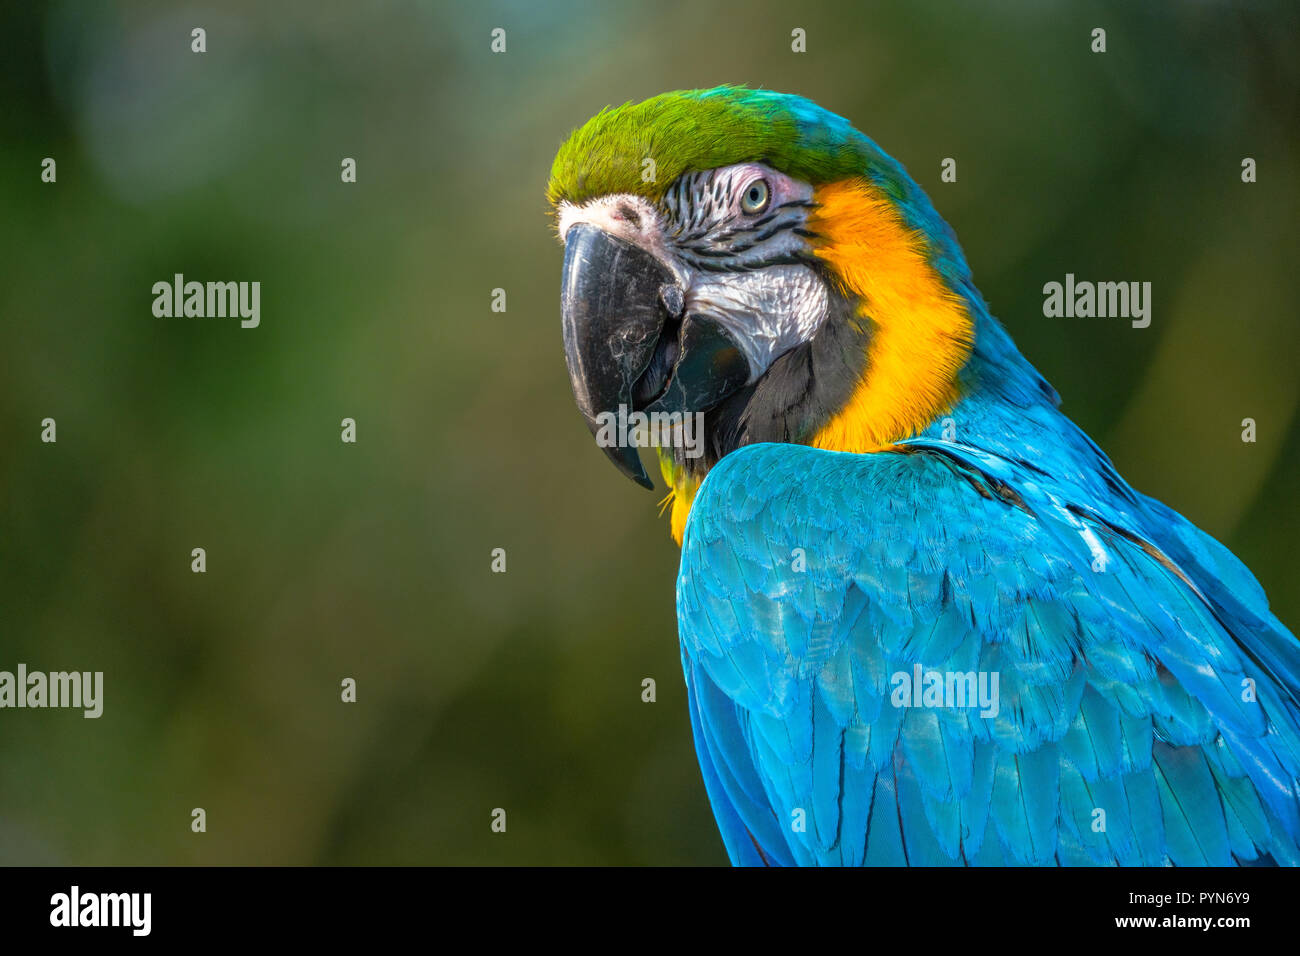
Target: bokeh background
x,y
326,560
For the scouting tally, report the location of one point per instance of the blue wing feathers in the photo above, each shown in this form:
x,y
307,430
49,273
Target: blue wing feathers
x,y
740,801
1125,642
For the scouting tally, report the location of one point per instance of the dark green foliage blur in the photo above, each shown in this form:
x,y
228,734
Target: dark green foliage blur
x,y
326,560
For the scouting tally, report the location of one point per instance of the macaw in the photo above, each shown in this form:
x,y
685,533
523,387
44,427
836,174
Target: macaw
x,y
923,620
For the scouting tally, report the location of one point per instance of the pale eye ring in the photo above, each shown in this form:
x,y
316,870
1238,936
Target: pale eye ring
x,y
755,197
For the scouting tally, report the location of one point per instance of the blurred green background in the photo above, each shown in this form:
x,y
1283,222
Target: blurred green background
x,y
326,560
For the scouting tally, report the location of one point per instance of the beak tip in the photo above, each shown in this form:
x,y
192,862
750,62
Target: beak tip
x,y
627,461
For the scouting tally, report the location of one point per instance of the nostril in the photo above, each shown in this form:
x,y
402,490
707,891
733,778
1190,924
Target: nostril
x,y
625,211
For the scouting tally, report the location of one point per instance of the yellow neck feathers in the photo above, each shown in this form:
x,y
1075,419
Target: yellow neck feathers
x,y
921,334
682,494
920,337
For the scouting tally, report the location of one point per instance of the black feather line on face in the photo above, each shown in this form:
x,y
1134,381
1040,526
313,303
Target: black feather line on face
x,y
699,216
801,391
721,251
705,264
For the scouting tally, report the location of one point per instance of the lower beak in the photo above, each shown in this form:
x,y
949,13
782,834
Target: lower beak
x,y
614,306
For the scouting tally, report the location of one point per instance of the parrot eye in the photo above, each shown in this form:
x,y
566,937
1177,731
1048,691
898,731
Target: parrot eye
x,y
755,198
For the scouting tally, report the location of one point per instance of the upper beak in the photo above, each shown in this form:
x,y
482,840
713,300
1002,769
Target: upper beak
x,y
614,304
613,313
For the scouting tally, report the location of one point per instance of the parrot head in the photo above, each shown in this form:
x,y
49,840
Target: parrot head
x,y
750,257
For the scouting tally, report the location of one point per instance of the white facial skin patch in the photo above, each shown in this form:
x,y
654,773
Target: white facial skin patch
x,y
768,311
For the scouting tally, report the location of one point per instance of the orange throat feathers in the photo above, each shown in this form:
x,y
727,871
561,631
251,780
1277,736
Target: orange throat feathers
x,y
920,331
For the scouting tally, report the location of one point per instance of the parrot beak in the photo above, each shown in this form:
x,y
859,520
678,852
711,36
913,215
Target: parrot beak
x,y
627,344
612,312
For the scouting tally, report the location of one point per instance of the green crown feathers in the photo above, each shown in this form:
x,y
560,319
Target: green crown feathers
x,y
641,148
